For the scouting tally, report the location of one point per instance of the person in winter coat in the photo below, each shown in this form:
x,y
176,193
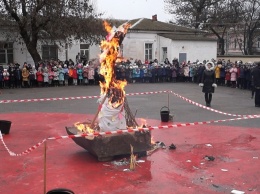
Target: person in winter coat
x,y
80,74
11,77
45,77
217,73
51,76
1,79
61,75
66,75
233,76
208,82
186,72
256,80
25,75
91,74
32,76
55,76
18,76
39,77
6,78
75,76
222,75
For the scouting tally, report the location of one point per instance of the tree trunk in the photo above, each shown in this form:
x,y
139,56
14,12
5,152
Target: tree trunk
x,y
34,53
222,43
250,44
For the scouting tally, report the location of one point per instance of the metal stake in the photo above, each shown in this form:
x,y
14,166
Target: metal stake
x,y
45,157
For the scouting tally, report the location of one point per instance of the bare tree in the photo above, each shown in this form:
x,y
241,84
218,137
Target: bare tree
x,y
39,20
214,15
190,12
251,9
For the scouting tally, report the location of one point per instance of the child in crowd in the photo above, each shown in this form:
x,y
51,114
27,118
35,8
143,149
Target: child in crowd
x,y
39,77
75,76
66,75
45,77
6,78
55,76
61,75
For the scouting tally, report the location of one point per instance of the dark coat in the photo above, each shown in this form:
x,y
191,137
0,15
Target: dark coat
x,y
208,78
256,77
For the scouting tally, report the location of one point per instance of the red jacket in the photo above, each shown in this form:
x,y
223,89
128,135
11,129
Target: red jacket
x,y
39,76
75,74
228,76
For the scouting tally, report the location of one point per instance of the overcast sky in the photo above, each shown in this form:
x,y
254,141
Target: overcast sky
x,y
132,9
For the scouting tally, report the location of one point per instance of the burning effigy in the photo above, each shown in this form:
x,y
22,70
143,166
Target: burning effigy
x,y
113,110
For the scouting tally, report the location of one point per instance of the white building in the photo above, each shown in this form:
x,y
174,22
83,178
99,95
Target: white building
x,y
147,39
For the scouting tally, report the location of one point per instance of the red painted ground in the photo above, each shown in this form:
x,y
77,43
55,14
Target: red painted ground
x,y
165,171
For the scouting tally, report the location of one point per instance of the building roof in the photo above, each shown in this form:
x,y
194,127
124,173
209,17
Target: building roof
x,y
144,24
173,36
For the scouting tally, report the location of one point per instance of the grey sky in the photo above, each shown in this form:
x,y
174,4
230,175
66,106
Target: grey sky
x,y
132,9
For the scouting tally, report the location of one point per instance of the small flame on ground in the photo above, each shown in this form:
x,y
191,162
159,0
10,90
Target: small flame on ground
x,y
83,127
143,122
152,140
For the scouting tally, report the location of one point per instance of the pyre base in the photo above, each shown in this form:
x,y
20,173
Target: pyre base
x,y
106,147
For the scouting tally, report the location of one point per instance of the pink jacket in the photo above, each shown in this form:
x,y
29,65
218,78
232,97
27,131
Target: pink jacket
x,y
233,72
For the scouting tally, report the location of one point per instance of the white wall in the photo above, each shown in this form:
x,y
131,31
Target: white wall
x,y
134,45
201,50
21,54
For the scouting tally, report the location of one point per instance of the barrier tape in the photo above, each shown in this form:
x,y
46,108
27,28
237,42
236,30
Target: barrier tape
x,y
130,94
72,98
123,131
208,108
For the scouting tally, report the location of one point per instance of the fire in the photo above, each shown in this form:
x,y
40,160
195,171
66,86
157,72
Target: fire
x,y
143,122
111,89
83,127
152,140
114,89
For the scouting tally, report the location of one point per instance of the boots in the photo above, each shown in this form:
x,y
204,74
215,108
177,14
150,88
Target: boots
x,y
207,99
210,98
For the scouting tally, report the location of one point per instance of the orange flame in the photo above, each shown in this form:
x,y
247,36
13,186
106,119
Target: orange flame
x,y
143,122
83,127
152,140
112,87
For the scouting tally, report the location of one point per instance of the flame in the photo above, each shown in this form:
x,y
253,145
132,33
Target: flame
x,y
83,127
143,122
152,140
111,87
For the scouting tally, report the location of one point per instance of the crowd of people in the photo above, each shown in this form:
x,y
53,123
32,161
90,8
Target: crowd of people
x,y
55,73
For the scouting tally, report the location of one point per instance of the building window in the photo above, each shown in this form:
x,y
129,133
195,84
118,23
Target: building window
x,y
6,52
164,52
148,51
84,52
49,52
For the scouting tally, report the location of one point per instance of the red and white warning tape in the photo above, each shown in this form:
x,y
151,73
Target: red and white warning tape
x,y
24,152
124,131
208,108
73,98
130,94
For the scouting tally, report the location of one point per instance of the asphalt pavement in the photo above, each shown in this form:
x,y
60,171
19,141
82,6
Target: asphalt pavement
x,y
225,99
